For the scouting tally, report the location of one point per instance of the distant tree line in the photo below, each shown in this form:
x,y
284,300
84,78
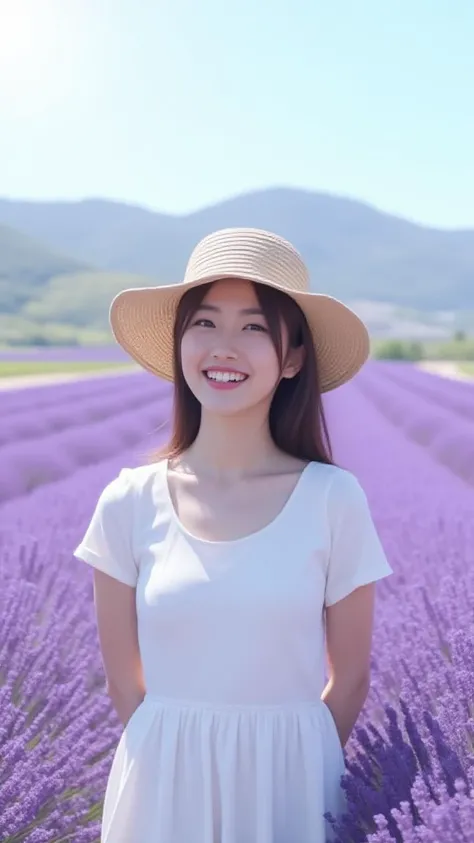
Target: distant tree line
x,y
460,347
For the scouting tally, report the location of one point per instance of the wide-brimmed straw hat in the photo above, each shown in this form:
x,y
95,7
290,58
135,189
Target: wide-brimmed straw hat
x,y
142,319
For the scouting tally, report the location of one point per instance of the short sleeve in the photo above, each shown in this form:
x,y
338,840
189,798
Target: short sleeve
x,y
356,554
107,544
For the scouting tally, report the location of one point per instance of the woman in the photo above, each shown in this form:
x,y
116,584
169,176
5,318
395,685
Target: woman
x,y
232,565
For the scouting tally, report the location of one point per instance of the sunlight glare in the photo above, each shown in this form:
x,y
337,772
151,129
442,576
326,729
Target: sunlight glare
x,y
30,39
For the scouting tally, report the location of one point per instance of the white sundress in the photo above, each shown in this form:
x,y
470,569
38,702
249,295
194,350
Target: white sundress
x,y
232,743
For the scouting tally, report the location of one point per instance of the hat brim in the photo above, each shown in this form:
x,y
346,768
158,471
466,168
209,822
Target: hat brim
x,y
142,320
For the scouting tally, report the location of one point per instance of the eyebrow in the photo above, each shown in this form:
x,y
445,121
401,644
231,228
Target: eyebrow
x,y
246,311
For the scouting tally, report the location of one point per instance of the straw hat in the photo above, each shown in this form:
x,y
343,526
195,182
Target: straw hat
x,y
142,319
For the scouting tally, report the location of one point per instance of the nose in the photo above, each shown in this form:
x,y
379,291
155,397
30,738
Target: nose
x,y
224,353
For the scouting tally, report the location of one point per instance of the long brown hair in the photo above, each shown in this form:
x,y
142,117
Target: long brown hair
x,y
297,420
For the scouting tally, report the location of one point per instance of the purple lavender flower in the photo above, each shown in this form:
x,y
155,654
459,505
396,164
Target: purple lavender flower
x,y
410,760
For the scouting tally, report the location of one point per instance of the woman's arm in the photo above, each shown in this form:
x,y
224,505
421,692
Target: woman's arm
x,y
117,629
349,625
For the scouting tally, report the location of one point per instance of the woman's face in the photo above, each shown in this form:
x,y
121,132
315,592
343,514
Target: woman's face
x,y
227,355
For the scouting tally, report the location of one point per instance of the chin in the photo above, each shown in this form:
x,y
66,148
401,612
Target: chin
x,y
230,403
225,407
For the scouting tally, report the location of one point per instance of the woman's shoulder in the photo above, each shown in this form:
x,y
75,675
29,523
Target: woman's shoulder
x,y
339,485
334,475
131,481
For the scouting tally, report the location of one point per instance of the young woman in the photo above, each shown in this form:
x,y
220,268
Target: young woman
x,y
235,564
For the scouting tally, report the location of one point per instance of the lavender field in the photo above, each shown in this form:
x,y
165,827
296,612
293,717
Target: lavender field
x,y
409,438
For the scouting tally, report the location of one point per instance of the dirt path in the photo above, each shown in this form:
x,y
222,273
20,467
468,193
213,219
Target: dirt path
x,y
445,368
25,381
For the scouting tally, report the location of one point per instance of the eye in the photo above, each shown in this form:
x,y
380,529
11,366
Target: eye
x,y
255,327
204,323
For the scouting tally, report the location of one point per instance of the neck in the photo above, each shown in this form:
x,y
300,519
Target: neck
x,y
232,447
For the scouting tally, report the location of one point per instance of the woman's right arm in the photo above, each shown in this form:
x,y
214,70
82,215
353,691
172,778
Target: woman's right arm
x,y
117,629
108,546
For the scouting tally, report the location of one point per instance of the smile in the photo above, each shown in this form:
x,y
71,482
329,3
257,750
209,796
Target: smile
x,y
224,379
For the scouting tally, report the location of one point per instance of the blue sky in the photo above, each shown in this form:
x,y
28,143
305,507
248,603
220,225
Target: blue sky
x,y
176,104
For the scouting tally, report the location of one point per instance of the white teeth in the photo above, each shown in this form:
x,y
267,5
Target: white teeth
x,y
225,376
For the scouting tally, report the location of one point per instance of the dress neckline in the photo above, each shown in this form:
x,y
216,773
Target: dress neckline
x,y
240,539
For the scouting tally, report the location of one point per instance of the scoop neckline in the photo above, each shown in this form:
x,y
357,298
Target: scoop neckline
x,y
255,534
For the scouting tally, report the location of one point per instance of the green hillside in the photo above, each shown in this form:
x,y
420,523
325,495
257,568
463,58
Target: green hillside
x,y
16,330
80,299
48,298
353,251
67,309
25,267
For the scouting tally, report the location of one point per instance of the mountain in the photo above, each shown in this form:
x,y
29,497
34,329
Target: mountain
x,y
81,299
353,251
25,266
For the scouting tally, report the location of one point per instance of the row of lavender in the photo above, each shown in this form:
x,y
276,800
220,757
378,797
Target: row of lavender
x,y
33,422
70,394
442,421
411,762
58,730
45,434
457,396
83,425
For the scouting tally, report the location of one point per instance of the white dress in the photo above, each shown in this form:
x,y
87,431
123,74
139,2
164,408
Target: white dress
x,y
232,743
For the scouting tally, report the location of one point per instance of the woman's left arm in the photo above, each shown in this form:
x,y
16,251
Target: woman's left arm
x,y
356,561
349,625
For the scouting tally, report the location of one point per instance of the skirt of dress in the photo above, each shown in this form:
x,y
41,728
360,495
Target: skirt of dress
x,y
197,773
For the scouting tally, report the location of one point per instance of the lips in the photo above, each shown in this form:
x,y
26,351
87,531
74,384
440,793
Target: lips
x,y
222,378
